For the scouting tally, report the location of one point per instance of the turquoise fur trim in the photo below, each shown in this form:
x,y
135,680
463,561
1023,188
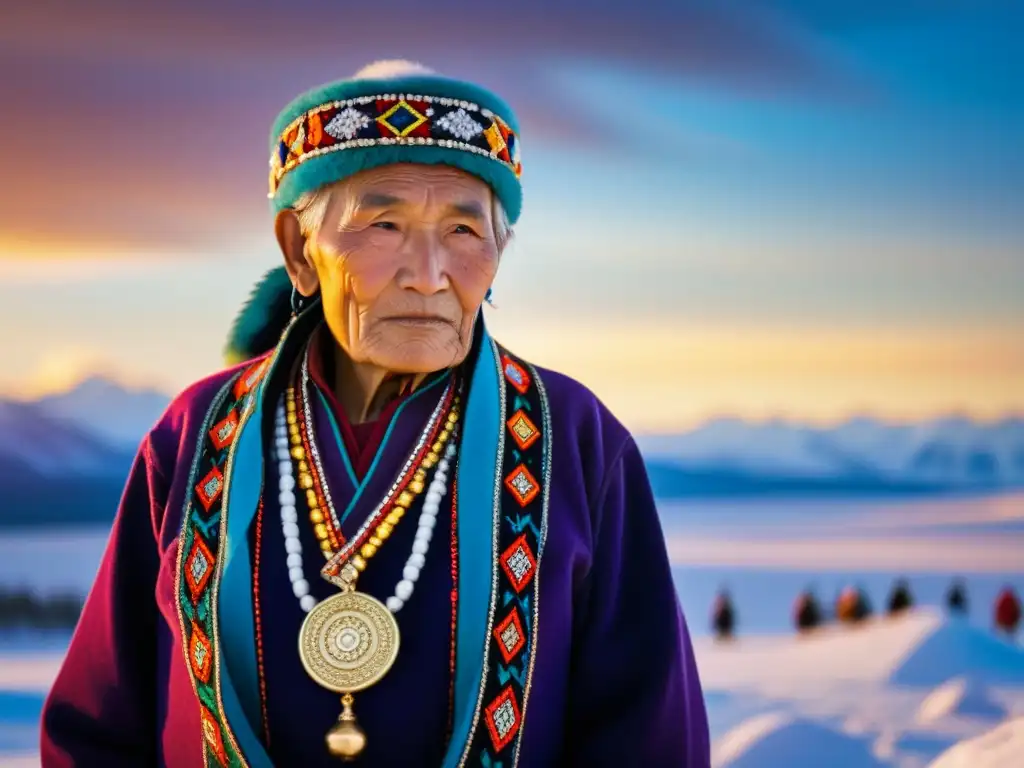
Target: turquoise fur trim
x,y
258,326
333,163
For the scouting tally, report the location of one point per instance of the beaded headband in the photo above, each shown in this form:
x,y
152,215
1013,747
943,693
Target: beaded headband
x,y
418,119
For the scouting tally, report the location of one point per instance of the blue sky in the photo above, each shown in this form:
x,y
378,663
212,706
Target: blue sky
x,y
703,181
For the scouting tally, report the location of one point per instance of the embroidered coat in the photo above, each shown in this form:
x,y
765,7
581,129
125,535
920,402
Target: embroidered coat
x,y
544,628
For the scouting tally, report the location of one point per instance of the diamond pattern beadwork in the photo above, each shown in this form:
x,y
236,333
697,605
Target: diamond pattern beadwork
x,y
510,637
522,484
519,563
495,139
211,733
347,124
402,119
502,718
460,124
524,431
198,568
224,432
521,526
210,487
516,375
200,655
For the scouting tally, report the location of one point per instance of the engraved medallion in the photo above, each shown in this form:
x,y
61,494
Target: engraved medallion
x,y
348,642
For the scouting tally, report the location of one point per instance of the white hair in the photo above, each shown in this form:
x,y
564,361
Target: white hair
x,y
311,209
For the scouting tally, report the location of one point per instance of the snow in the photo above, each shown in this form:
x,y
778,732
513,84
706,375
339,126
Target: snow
x,y
961,696
1002,747
954,646
893,692
117,414
779,739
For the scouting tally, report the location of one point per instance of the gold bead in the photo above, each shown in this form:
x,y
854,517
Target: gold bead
x,y
303,467
436,449
368,550
395,515
325,545
375,540
384,530
311,500
453,417
316,515
293,430
290,418
298,453
430,460
443,437
305,481
346,740
321,531
419,477
358,562
405,499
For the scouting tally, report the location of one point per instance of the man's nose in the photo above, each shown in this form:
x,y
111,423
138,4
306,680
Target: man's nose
x,y
425,266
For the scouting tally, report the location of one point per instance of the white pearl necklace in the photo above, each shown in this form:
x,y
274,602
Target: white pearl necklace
x,y
290,521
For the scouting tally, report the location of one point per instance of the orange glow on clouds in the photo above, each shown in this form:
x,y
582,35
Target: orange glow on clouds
x,y
664,378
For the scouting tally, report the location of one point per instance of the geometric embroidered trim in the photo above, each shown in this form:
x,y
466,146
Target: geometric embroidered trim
x,y
522,519
394,119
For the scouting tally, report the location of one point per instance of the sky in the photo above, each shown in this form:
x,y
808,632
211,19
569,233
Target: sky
x,y
803,209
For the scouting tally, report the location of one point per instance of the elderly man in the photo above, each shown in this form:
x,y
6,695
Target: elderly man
x,y
383,538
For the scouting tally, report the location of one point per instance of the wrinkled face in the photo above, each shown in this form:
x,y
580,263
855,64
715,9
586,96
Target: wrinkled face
x,y
403,260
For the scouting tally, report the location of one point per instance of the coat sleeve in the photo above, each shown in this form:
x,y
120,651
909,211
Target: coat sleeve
x,y
635,696
101,709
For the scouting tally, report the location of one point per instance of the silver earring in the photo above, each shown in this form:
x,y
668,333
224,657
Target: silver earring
x,y
296,300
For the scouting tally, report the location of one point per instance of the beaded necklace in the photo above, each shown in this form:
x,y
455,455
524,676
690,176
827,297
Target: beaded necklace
x,y
349,641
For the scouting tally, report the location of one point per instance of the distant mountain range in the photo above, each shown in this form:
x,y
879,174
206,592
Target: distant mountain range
x,y
64,458
862,455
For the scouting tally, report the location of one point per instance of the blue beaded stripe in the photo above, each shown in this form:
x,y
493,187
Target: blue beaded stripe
x,y
522,528
197,572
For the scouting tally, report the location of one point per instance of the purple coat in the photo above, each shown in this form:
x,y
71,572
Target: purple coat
x,y
612,679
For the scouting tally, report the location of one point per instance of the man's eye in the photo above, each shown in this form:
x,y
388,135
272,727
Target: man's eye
x,y
390,225
463,229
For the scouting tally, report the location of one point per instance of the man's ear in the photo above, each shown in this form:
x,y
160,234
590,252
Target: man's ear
x,y
293,248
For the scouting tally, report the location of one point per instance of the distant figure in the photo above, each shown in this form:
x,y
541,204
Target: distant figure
x,y
723,616
956,597
1007,611
807,613
853,606
900,599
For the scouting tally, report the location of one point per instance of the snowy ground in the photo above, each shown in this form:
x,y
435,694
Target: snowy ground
x,y
914,692
895,692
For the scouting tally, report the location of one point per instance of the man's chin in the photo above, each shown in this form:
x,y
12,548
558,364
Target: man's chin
x,y
418,355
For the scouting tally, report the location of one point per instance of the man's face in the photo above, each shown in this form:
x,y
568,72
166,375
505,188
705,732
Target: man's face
x,y
403,260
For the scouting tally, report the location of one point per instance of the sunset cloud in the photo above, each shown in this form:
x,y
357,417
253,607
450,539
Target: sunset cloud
x,y
142,126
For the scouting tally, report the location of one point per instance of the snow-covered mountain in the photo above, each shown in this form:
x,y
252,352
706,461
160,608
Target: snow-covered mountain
x,y
89,430
35,442
952,452
115,414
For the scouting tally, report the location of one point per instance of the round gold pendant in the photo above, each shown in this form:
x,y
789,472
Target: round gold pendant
x,y
348,642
